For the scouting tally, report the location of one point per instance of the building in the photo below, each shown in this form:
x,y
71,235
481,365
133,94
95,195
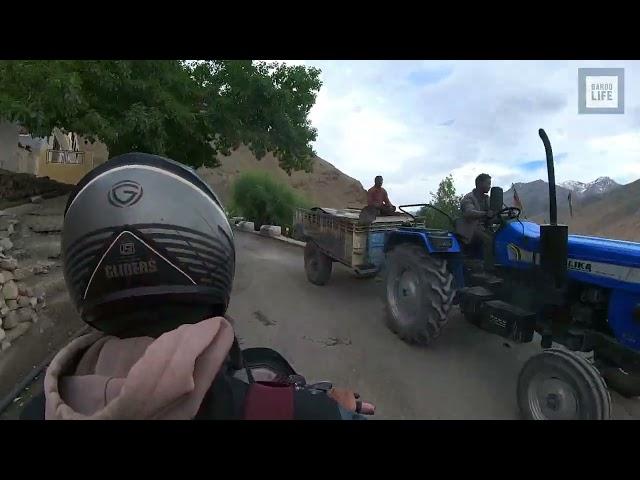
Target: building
x,y
64,157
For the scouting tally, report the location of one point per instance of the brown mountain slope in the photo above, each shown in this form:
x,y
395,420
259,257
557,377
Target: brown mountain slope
x,y
614,215
326,186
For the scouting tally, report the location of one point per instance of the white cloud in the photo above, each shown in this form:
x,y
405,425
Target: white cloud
x,y
414,122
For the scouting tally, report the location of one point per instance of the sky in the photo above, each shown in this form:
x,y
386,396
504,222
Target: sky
x,y
415,122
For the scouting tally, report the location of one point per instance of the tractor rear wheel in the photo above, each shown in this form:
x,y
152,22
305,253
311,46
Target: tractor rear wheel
x,y
559,385
317,265
419,294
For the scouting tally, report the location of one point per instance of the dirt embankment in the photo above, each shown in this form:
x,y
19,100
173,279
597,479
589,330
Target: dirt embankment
x,y
17,188
325,186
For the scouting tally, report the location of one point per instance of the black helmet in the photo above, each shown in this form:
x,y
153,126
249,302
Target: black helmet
x,y
146,247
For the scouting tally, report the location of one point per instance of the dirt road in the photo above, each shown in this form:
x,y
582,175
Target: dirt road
x,y
337,332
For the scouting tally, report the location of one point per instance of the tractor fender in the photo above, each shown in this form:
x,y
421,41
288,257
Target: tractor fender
x,y
420,238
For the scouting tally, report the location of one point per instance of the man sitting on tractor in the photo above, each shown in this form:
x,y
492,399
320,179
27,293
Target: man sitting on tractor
x,y
377,197
475,212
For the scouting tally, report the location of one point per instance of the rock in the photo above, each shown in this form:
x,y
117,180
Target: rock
x,y
12,305
5,233
6,276
11,320
17,332
34,318
33,301
10,291
4,311
25,314
20,274
8,263
22,289
11,229
36,199
29,291
6,244
23,301
247,226
40,269
271,230
6,222
4,345
3,335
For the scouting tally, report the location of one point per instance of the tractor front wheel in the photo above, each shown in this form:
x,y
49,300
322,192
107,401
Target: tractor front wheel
x,y
559,385
419,293
317,265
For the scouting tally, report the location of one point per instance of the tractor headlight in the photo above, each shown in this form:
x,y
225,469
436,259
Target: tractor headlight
x,y
441,243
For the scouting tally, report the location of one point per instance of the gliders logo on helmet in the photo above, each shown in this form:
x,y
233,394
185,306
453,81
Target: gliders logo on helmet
x,y
125,193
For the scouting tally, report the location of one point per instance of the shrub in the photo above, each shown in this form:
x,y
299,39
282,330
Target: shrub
x,y
263,200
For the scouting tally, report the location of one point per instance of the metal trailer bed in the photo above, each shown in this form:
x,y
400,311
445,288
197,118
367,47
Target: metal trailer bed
x,y
338,233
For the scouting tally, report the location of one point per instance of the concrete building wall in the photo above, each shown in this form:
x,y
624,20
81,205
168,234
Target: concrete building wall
x,y
24,154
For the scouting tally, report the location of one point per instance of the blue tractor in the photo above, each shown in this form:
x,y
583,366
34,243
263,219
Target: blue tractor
x,y
580,295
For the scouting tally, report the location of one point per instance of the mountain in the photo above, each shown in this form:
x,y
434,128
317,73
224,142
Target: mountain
x,y
615,215
599,186
534,195
325,186
601,208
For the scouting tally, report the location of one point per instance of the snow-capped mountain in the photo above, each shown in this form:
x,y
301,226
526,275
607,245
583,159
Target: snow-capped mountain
x,y
576,187
599,186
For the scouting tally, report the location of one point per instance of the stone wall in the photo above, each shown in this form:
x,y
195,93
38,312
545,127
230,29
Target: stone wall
x,y
19,304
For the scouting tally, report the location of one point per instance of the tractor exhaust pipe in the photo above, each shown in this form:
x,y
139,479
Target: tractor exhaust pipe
x,y
554,238
553,205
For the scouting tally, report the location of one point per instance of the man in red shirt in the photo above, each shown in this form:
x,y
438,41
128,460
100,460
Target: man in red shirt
x,y
377,197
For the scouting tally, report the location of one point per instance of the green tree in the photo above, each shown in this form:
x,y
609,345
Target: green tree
x,y
444,199
188,111
258,197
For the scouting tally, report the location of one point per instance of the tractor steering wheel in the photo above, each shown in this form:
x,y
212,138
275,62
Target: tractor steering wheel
x,y
510,211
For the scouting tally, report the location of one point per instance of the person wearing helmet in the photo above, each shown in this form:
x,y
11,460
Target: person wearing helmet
x,y
149,261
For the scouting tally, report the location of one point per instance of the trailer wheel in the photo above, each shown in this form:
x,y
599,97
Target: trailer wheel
x,y
317,265
419,294
559,385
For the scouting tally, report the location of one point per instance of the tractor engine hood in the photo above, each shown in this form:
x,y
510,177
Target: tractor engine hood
x,y
526,236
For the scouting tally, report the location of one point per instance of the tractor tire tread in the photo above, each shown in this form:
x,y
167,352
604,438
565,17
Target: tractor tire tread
x,y
439,295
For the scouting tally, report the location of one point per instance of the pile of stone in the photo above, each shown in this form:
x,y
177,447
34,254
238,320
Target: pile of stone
x,y
19,304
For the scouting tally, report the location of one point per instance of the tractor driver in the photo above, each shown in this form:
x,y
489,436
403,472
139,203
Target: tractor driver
x,y
377,197
475,212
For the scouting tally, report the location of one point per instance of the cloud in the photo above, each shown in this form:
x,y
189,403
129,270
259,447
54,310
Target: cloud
x,y
414,122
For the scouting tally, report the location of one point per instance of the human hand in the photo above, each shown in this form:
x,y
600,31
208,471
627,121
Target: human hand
x,y
350,400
